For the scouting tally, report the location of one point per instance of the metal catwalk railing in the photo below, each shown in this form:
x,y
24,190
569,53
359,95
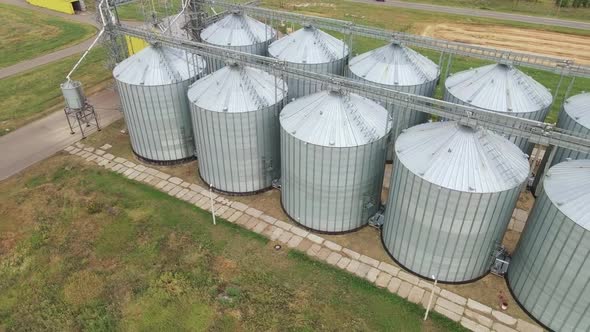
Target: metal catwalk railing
x,y
551,64
534,131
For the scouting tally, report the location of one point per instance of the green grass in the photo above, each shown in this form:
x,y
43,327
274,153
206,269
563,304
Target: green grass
x,y
33,94
25,34
139,10
397,18
92,250
529,7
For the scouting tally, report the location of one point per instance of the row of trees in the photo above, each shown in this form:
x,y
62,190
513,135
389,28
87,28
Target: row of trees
x,y
573,3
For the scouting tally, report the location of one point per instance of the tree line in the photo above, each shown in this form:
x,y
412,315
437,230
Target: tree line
x,y
573,3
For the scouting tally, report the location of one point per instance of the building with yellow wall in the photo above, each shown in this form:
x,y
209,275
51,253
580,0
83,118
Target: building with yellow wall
x,y
63,6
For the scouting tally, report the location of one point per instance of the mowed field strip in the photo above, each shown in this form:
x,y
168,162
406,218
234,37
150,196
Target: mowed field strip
x,y
526,40
25,34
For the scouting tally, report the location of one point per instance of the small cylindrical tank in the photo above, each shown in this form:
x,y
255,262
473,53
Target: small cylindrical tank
x,y
73,94
239,32
501,88
235,114
400,68
549,274
453,191
332,160
311,49
152,87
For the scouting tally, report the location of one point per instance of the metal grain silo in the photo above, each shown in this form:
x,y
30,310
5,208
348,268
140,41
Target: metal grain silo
x,y
549,274
574,117
397,67
332,160
311,49
501,88
453,190
239,32
152,87
235,114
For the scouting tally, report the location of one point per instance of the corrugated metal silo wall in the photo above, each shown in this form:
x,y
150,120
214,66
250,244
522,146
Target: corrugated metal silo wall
x,y
158,120
403,119
238,152
299,88
432,230
261,48
331,189
522,143
550,270
566,122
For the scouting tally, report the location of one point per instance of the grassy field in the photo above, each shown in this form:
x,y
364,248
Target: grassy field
x,y
396,18
537,7
25,34
31,95
139,10
85,249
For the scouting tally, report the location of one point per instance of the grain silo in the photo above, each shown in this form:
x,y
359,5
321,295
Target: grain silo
x,y
453,190
575,118
152,87
332,160
239,32
549,274
235,114
311,49
400,68
501,88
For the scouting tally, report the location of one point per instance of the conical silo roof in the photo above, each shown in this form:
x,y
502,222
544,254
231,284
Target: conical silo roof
x,y
578,108
462,158
394,64
159,65
237,29
499,88
236,89
308,45
335,119
567,185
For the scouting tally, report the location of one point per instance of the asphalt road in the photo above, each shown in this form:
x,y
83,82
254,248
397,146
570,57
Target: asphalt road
x,y
45,137
482,13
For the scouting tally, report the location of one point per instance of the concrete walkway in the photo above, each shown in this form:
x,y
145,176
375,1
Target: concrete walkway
x,y
471,314
84,18
482,13
43,138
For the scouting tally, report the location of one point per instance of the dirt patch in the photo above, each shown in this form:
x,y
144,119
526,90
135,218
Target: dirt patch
x,y
525,40
225,268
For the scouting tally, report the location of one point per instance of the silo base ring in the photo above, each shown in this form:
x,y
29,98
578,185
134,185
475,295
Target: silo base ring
x,y
424,277
318,231
232,193
522,306
163,162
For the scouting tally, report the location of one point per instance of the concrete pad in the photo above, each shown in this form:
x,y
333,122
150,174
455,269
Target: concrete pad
x,y
332,246
372,274
383,279
390,269
368,260
314,238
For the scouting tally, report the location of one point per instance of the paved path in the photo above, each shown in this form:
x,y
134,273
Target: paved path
x,y
43,138
483,13
85,18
